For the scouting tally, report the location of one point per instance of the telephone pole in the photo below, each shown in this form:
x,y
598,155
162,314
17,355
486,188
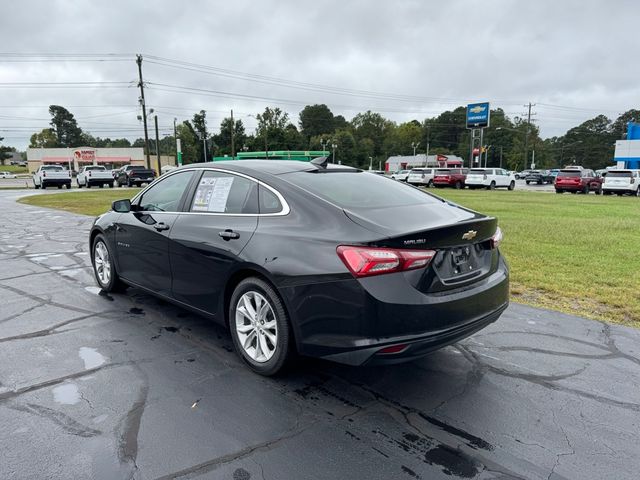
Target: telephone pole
x,y
526,134
233,138
155,119
144,110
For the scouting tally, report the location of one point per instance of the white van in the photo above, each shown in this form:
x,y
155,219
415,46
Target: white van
x,y
622,181
421,176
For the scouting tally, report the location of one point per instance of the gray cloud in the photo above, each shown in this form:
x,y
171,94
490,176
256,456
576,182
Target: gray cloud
x,y
574,54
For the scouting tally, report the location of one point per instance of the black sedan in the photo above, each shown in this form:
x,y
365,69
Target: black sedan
x,y
307,258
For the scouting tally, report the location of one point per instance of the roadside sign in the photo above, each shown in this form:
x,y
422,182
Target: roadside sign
x,y
478,115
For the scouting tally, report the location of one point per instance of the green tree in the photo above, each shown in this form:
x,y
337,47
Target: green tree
x,y
399,139
44,139
619,127
270,132
189,143
293,139
316,120
199,128
372,126
65,127
3,152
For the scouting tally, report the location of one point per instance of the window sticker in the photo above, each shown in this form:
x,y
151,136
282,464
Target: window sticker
x,y
212,194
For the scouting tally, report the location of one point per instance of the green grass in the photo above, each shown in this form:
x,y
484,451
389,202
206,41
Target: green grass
x,y
573,253
91,203
13,169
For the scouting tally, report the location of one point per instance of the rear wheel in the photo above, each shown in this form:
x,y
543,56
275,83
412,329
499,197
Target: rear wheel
x,y
599,191
458,185
101,185
492,185
430,184
585,190
78,184
260,326
559,191
67,185
36,186
88,185
110,184
512,185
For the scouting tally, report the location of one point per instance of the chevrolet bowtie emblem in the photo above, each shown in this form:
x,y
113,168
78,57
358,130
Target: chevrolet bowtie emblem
x,y
470,235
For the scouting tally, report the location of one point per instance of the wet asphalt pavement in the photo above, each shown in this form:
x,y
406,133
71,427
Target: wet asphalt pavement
x,y
127,386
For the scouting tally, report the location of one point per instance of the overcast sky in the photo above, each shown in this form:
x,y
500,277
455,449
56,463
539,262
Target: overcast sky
x,y
574,59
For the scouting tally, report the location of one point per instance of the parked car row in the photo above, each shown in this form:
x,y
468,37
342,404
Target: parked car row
x,y
458,178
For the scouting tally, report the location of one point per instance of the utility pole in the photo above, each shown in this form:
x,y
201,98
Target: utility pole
x,y
155,119
500,156
414,145
175,137
333,146
144,110
233,138
526,134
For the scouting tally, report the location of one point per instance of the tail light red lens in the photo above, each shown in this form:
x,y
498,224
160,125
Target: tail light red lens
x,y
401,347
368,261
496,240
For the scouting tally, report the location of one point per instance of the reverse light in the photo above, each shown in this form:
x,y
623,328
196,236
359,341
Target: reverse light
x,y
496,240
368,261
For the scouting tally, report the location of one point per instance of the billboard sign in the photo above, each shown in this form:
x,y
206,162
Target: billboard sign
x,y
478,115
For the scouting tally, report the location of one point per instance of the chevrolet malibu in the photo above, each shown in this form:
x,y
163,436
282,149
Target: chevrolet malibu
x,y
307,258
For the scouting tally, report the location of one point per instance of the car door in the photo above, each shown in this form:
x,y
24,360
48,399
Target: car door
x,y
503,178
207,241
142,235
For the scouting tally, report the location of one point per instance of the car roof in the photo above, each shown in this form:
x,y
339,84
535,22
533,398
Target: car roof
x,y
273,167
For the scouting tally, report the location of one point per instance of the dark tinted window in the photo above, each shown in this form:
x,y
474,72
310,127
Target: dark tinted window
x,y
572,173
619,174
165,195
221,192
357,189
52,168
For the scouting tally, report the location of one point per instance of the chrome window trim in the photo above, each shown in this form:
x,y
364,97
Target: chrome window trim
x,y
285,206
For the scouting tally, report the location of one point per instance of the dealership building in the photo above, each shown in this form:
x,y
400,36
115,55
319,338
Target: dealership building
x,y
76,158
404,162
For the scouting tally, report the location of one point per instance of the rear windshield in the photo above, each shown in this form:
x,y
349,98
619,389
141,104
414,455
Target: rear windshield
x,y
573,173
359,190
52,168
479,171
418,170
447,171
619,174
95,167
136,167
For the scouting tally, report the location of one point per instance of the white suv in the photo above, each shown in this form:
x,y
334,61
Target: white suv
x,y
400,175
622,181
421,176
490,178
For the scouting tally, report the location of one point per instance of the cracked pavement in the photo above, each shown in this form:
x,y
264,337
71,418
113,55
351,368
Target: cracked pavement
x,y
128,386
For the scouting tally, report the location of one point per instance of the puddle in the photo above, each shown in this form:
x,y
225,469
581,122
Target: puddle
x,y
94,290
91,357
71,273
66,394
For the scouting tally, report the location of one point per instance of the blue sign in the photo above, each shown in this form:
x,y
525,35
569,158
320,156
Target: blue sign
x,y
478,115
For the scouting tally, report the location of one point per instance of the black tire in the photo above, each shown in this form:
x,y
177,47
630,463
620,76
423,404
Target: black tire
x,y
284,339
599,191
88,185
458,185
110,184
37,187
430,184
129,184
101,185
492,185
559,191
585,190
114,284
512,185
540,182
68,185
78,184
43,186
573,192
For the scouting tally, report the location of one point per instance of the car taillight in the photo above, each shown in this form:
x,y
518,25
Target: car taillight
x,y
89,172
496,240
367,261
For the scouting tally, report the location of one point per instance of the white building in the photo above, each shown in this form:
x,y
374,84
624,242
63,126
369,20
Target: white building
x,y
405,162
76,158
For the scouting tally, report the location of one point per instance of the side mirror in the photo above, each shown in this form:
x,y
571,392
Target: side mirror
x,y
121,206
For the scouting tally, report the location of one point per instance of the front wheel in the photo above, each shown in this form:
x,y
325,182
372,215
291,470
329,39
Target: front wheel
x,y
585,190
458,185
260,326
103,266
492,185
78,184
430,184
101,185
512,185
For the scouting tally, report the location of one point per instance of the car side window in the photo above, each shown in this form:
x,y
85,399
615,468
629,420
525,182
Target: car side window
x,y
269,202
221,192
165,195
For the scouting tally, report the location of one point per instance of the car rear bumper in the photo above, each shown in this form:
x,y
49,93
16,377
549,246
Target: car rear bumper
x,y
619,188
350,321
56,181
571,187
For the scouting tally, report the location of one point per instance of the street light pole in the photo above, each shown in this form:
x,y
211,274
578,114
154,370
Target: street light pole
x,y
370,163
333,146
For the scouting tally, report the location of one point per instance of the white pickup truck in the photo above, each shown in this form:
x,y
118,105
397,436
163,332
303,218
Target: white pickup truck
x,y
50,175
91,175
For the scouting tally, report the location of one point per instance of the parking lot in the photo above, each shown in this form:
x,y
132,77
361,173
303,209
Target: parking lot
x,y
127,386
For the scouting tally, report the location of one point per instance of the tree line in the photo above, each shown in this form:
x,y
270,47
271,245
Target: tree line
x,y
368,137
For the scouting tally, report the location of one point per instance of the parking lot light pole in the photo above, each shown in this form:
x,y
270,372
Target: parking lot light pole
x,y
370,163
414,145
334,146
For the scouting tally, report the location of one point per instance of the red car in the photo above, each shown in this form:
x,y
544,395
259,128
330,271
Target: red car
x,y
575,180
450,177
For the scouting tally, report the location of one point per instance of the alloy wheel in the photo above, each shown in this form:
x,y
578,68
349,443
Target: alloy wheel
x,y
256,326
102,263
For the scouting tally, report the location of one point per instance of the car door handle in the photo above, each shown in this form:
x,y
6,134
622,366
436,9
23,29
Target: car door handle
x,y
229,234
161,226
